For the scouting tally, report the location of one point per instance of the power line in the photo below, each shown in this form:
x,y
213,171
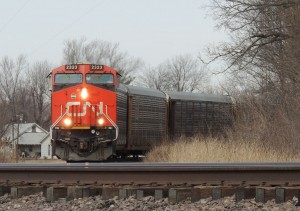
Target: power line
x,y
65,28
18,11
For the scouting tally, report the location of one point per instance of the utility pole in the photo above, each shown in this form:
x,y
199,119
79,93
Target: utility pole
x,y
19,120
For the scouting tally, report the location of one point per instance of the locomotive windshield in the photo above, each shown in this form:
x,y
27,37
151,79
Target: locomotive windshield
x,y
65,80
68,78
102,78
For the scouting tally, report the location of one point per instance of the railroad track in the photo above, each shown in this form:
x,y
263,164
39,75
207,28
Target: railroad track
x,y
174,180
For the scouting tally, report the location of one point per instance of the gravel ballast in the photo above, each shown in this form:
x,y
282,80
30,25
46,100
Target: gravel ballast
x,y
38,202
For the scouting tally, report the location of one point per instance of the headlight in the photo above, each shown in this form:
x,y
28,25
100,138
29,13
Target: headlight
x,y
84,93
67,122
100,121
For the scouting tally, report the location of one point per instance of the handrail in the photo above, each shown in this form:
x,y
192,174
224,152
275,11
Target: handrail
x,y
57,121
109,119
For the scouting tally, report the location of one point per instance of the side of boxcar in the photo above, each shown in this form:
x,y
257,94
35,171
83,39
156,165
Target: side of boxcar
x,y
122,102
194,113
147,119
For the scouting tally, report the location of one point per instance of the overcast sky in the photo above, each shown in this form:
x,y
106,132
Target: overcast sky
x,y
152,30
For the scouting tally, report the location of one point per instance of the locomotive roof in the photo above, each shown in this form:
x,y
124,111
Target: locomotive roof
x,y
142,91
199,97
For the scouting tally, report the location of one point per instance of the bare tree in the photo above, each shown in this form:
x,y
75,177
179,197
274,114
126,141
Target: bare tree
x,y
39,95
260,32
5,117
263,53
185,73
102,52
24,90
155,77
11,74
181,73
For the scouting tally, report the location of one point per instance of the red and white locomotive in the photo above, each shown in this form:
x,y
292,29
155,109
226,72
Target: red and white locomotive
x,y
94,117
84,111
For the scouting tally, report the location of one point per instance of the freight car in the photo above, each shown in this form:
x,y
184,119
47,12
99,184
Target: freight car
x,y
95,117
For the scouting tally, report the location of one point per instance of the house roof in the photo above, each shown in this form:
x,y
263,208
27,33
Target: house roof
x,y
12,130
26,136
45,138
31,138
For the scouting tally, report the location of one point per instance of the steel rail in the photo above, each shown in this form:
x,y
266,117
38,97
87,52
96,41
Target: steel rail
x,y
153,173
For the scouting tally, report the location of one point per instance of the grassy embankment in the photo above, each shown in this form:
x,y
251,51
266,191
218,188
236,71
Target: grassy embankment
x,y
219,150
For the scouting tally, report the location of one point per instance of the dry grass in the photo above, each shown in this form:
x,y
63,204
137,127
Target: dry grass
x,y
217,150
6,156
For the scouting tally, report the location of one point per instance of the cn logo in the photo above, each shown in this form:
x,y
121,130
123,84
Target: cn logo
x,y
85,105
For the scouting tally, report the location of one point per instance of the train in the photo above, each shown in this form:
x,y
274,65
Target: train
x,y
95,117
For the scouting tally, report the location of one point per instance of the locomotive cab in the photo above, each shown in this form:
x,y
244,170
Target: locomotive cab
x,y
84,112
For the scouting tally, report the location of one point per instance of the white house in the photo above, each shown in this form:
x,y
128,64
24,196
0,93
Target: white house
x,y
32,140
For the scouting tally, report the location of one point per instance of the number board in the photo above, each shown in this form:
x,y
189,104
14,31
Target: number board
x,y
96,67
71,67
